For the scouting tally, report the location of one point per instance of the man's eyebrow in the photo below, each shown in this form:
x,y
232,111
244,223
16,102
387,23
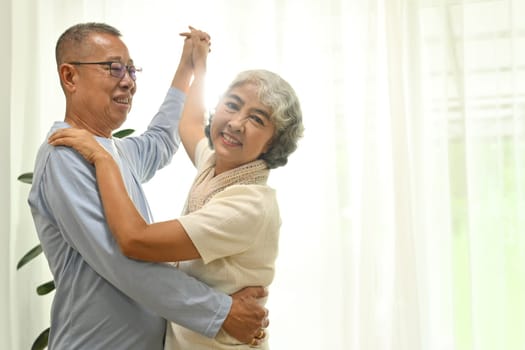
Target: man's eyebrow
x,y
119,59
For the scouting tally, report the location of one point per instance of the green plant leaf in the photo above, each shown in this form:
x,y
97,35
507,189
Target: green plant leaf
x,y
30,255
123,133
26,178
41,341
45,288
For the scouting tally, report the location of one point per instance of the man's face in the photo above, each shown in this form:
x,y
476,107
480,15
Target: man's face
x,y
100,100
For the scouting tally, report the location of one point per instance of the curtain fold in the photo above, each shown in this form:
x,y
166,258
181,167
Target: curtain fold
x,y
404,206
6,272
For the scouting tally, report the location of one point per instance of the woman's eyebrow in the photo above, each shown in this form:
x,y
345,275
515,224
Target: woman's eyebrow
x,y
236,98
256,110
262,112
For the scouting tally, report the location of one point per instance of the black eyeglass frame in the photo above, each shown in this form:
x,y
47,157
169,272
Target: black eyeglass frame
x,y
114,72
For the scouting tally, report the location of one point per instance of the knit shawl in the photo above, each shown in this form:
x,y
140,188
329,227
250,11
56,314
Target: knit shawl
x,y
206,185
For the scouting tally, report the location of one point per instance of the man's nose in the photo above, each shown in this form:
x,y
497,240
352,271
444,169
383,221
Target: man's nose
x,y
126,80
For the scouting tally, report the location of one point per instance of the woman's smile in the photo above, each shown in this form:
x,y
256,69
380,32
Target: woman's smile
x,y
229,140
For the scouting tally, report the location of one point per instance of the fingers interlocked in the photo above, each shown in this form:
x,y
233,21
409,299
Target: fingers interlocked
x,y
261,334
257,340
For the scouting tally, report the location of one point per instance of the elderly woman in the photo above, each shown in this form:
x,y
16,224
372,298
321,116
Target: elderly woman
x,y
228,234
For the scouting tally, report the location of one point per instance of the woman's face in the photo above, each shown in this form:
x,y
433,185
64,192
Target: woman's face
x,y
241,128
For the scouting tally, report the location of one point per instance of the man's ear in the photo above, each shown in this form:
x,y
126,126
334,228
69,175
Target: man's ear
x,y
68,76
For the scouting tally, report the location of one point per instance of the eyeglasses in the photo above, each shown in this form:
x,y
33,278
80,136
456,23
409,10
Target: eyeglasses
x,y
116,69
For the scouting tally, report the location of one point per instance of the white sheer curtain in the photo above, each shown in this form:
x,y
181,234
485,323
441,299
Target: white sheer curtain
x,y
403,208
5,175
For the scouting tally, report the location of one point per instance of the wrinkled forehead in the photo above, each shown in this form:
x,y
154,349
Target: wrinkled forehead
x,y
107,45
97,46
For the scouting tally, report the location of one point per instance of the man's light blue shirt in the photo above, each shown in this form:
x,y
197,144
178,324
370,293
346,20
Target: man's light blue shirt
x,y
103,299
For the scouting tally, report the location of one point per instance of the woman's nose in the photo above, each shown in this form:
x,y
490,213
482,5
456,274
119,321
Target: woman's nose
x,y
235,124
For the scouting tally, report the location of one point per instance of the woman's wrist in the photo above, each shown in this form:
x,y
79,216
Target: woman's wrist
x,y
100,157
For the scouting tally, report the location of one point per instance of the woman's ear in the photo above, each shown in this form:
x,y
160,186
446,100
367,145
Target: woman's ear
x,y
268,146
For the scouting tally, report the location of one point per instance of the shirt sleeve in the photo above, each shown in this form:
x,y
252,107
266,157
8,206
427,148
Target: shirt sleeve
x,y
203,154
160,141
228,223
67,192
